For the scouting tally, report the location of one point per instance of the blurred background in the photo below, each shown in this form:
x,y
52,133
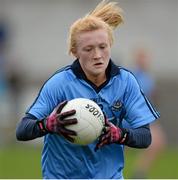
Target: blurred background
x,y
33,45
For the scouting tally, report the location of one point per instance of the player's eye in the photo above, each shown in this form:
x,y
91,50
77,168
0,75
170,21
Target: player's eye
x,y
103,46
87,49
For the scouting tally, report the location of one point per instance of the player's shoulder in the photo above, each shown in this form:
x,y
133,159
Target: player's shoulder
x,y
126,73
129,79
60,74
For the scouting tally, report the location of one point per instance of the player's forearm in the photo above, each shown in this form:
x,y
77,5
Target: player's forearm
x,y
139,138
28,129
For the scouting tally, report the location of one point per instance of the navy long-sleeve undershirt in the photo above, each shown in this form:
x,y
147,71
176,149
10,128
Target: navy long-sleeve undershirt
x,y
27,129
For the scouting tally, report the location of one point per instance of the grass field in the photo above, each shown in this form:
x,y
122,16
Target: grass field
x,y
22,162
164,167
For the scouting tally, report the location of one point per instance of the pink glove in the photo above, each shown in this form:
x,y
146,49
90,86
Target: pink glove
x,y
111,134
56,123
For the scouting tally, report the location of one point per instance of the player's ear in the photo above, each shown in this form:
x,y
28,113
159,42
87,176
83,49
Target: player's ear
x,y
74,53
76,56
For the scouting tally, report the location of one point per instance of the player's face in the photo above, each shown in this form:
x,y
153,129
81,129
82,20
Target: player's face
x,y
93,51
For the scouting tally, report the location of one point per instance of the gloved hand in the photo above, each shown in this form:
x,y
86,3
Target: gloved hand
x,y
111,134
56,123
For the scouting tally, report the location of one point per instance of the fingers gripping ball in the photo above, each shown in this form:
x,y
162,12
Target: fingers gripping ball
x,y
90,120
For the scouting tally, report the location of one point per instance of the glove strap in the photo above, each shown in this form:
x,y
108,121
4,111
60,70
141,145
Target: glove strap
x,y
42,125
124,138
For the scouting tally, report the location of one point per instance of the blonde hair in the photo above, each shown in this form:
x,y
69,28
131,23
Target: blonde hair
x,y
105,16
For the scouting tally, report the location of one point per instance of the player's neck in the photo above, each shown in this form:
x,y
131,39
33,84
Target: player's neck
x,y
97,80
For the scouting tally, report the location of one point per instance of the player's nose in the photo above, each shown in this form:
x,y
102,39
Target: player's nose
x,y
97,54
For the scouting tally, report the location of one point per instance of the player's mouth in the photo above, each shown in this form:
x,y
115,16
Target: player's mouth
x,y
98,64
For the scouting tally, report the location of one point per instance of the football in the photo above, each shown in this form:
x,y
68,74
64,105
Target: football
x,y
90,120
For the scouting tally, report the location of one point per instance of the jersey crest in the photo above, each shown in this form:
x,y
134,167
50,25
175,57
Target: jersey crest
x,y
117,105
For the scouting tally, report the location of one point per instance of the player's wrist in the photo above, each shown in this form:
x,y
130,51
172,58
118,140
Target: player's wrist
x,y
42,125
124,134
118,135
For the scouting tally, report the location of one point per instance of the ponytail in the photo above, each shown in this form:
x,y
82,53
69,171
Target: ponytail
x,y
110,13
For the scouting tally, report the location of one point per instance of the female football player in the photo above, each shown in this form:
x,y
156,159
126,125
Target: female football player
x,y
92,75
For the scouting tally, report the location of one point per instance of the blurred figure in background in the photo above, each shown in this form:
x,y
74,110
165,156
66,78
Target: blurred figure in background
x,y
10,83
146,158
4,85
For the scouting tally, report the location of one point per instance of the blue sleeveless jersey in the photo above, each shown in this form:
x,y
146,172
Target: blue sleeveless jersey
x,y
119,98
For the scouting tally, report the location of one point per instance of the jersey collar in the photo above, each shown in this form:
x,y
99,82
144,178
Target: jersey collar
x,y
111,71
